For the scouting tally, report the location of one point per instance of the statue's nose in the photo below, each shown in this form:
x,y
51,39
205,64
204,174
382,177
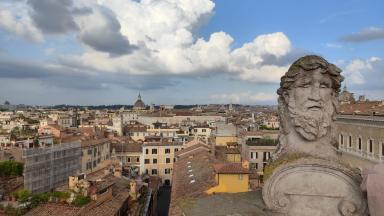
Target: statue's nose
x,y
315,93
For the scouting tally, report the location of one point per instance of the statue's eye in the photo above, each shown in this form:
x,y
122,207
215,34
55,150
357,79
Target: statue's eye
x,y
324,85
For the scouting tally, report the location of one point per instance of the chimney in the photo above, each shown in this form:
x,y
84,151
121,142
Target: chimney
x,y
245,164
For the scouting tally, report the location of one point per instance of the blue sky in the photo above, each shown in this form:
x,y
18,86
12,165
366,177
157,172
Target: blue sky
x,y
180,51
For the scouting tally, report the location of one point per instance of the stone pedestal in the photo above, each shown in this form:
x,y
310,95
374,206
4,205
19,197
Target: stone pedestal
x,y
314,187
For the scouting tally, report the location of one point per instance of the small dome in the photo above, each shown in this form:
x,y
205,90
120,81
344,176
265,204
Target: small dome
x,y
139,104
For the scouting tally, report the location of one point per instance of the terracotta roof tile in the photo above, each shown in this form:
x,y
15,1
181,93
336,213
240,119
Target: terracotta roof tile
x,y
50,209
193,174
230,168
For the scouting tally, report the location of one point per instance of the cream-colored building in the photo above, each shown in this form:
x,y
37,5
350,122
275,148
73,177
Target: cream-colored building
x,y
201,132
95,154
139,133
128,153
158,158
360,139
257,150
117,124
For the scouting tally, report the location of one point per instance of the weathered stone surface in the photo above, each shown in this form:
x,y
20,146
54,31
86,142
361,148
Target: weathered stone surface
x,y
307,107
373,179
311,186
306,177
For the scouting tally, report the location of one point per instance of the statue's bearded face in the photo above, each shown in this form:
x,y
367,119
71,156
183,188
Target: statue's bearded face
x,y
311,104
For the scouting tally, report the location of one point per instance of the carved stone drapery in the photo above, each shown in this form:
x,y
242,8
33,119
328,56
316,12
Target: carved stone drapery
x,y
314,187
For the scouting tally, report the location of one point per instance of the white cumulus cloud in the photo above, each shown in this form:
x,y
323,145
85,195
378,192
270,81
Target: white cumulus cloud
x,y
155,38
357,70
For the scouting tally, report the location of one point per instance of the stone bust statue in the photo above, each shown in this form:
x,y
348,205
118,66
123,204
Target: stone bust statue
x,y
306,177
307,106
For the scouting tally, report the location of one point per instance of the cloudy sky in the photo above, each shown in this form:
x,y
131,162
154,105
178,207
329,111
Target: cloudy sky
x,y
180,51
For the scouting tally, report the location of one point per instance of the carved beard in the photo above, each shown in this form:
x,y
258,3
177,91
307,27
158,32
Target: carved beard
x,y
311,125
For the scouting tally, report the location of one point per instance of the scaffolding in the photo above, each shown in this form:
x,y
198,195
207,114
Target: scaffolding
x,y
49,167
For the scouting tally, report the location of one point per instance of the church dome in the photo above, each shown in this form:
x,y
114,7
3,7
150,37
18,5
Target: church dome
x,y
139,104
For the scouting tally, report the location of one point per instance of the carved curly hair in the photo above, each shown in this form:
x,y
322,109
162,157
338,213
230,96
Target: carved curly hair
x,y
310,63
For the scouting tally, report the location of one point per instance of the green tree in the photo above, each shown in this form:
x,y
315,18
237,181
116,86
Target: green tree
x,y
39,198
81,200
11,168
61,195
22,195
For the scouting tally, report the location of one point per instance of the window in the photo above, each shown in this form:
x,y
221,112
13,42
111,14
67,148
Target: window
x,y
137,159
154,151
176,149
341,139
167,171
154,171
382,149
195,130
174,160
204,130
146,171
350,142
266,156
370,146
146,151
167,151
146,161
154,161
251,155
359,143
89,165
256,154
129,159
167,160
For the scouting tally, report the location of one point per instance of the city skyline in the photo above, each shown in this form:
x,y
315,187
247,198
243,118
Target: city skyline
x,y
180,52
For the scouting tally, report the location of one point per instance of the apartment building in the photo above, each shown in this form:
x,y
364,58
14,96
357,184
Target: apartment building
x,y
257,148
128,152
203,132
158,157
95,154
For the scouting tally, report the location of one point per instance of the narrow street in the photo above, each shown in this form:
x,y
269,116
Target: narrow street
x,y
163,200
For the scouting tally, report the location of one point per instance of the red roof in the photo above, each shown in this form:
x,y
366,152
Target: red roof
x,y
230,168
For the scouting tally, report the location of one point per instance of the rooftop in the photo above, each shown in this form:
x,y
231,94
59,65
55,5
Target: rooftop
x,y
49,209
247,203
363,108
110,207
230,168
261,142
86,143
193,174
127,147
